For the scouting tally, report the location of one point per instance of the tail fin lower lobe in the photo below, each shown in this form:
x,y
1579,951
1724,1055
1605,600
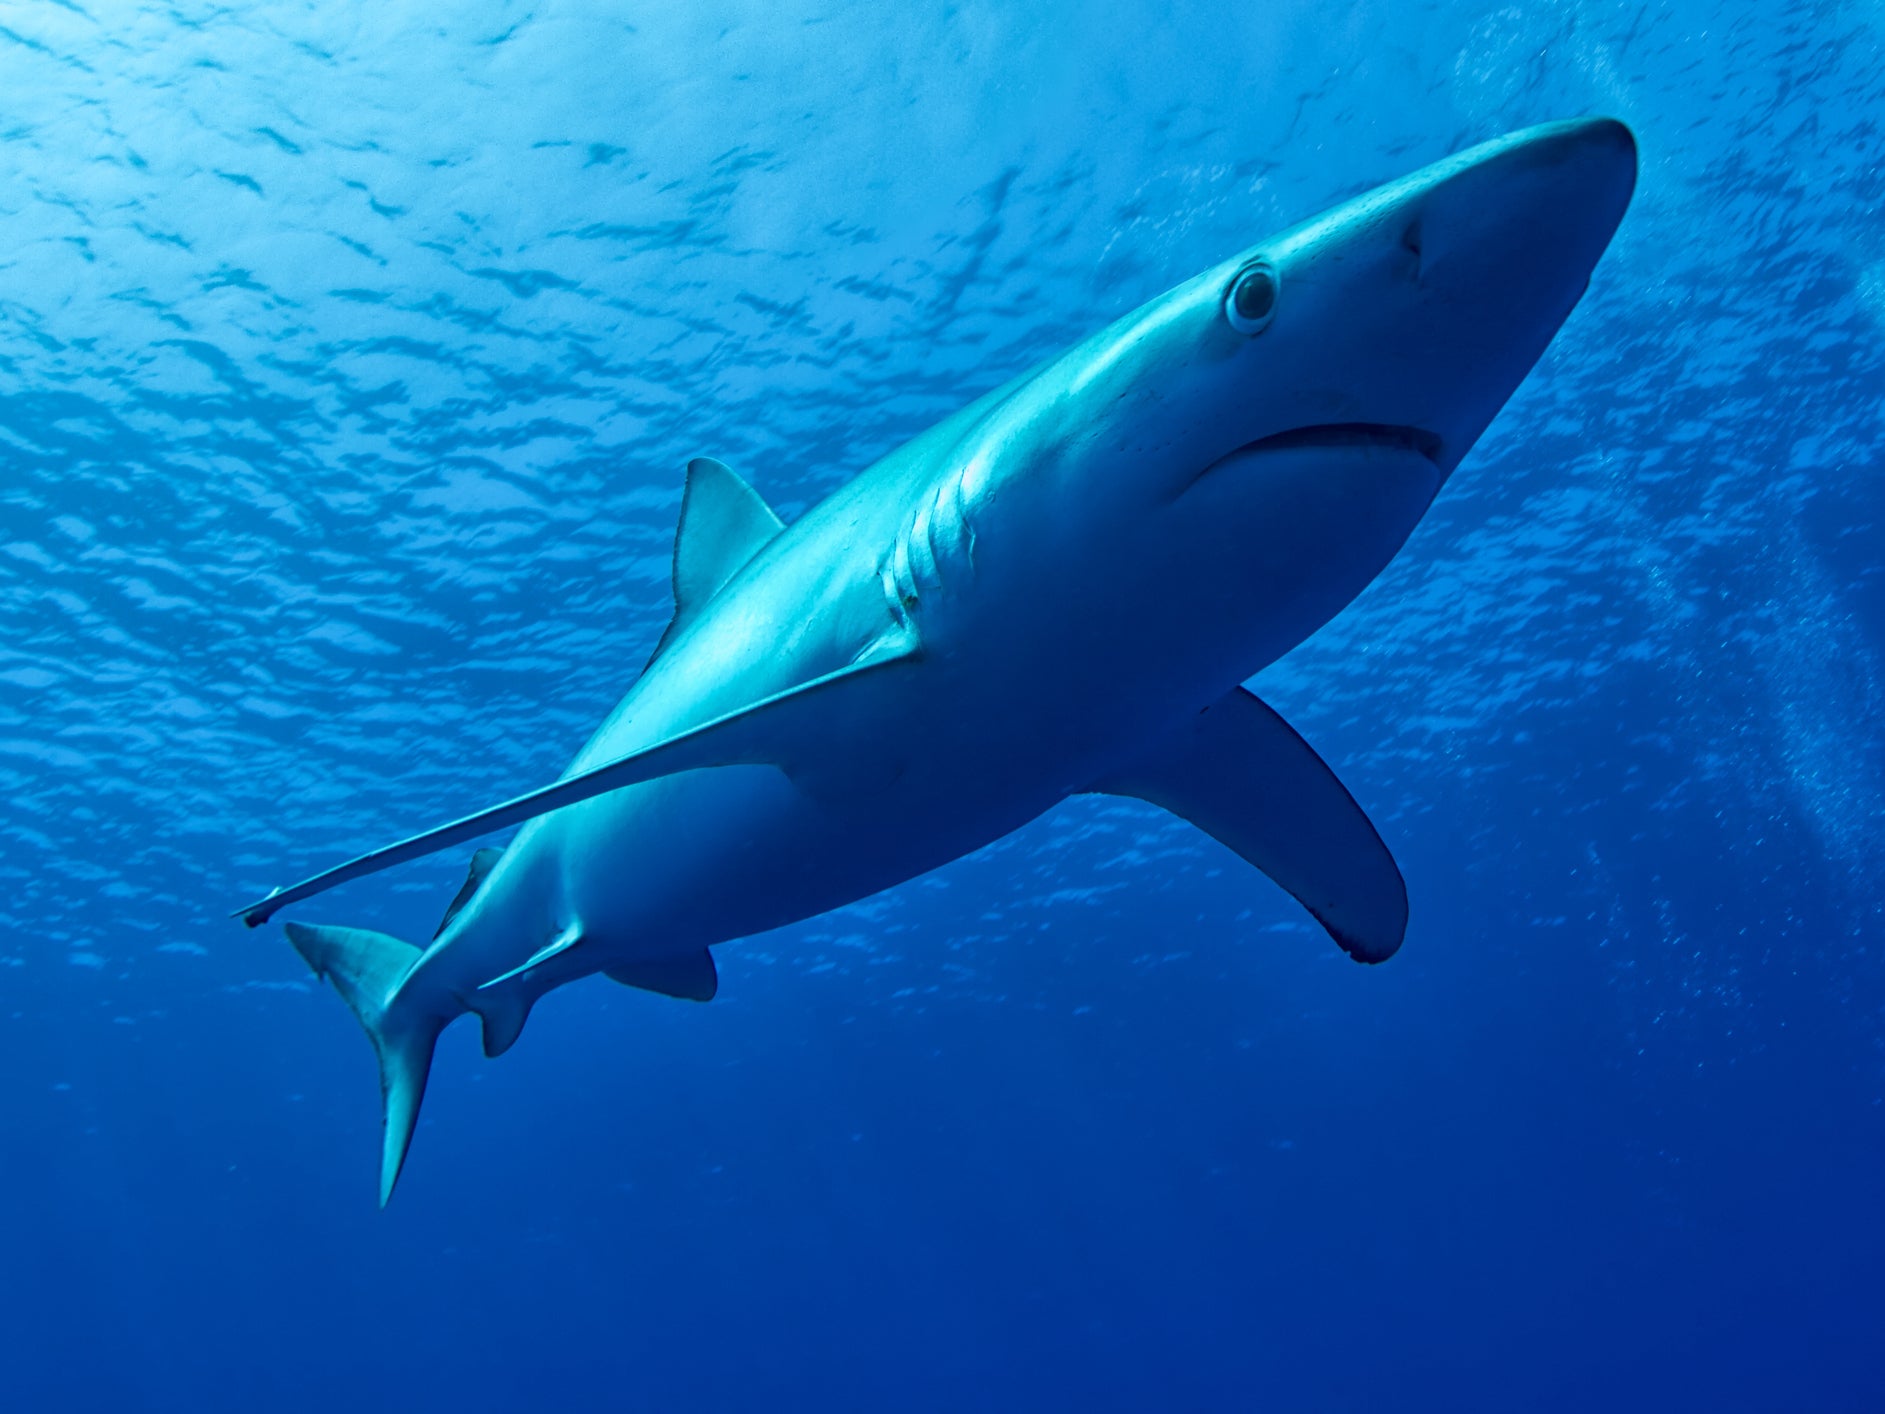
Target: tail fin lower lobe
x,y
367,969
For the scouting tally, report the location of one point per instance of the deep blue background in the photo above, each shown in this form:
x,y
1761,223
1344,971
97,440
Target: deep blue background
x,y
349,356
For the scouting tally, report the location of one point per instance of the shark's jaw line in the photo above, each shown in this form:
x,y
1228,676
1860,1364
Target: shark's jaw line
x,y
1336,438
1349,434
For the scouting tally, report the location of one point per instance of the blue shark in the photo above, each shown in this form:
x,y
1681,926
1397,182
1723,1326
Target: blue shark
x,y
1058,590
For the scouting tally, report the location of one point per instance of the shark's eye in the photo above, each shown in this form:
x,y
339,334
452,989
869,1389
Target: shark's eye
x,y
1250,303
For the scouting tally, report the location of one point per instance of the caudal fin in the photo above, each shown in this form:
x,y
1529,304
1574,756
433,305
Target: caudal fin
x,y
367,969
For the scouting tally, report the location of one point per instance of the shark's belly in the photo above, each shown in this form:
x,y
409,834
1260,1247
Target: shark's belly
x,y
708,856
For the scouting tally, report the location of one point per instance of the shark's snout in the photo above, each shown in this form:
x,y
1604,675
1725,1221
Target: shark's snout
x,y
1532,215
1453,280
1604,147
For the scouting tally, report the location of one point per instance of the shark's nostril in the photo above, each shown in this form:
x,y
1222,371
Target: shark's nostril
x,y
1410,242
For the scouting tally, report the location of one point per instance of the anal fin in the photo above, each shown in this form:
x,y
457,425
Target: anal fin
x,y
503,1015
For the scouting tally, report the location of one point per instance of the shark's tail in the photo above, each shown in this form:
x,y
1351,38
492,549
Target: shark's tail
x,y
367,969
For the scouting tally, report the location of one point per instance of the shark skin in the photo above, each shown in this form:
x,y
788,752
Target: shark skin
x,y
1058,589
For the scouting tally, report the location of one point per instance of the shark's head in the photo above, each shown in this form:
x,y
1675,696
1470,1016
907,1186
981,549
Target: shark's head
x,y
1405,317
1305,399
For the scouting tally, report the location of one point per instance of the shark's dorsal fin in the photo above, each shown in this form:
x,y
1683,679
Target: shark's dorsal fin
x,y
724,523
1241,774
690,978
481,863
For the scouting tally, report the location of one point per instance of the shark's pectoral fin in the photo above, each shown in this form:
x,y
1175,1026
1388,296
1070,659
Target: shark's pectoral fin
x,y
690,978
1241,774
724,523
481,863
775,731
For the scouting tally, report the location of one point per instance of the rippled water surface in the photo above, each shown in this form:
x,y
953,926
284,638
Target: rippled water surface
x,y
350,356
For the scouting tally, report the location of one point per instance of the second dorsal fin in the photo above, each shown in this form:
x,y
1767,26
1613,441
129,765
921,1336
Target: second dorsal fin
x,y
481,863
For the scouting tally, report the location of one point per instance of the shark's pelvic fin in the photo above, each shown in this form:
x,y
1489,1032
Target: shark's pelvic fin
x,y
481,863
691,978
724,523
768,733
558,945
367,969
1240,773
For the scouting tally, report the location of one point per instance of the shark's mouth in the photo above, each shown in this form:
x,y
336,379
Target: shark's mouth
x,y
1348,434
1336,438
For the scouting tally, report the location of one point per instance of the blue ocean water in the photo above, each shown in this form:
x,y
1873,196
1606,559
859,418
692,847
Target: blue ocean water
x,y
349,358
